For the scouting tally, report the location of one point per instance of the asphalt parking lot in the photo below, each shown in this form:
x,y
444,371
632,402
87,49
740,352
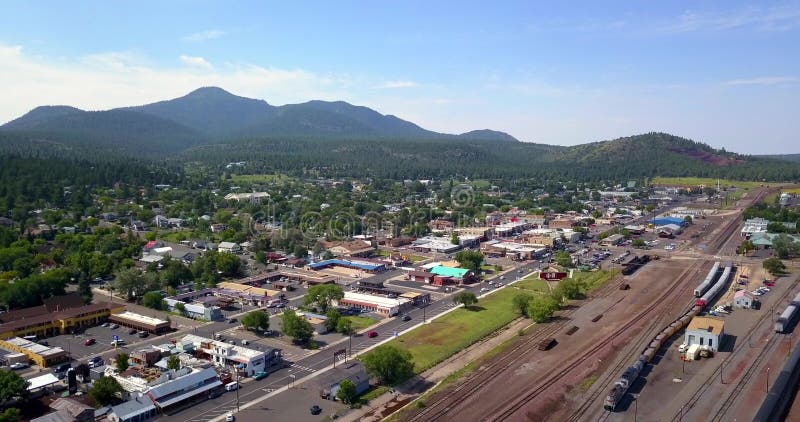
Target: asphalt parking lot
x,y
75,344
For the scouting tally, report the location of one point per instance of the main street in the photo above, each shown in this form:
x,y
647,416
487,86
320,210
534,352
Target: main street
x,y
253,391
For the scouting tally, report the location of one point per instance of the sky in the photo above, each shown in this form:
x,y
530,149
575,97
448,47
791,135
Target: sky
x,y
726,73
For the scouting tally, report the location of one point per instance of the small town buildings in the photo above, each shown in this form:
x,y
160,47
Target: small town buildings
x,y
754,225
457,275
380,305
613,240
367,265
435,244
229,247
743,299
328,382
355,248
67,410
218,227
246,361
252,197
140,322
705,331
137,409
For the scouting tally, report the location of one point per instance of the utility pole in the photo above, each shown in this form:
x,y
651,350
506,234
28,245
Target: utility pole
x,y
766,386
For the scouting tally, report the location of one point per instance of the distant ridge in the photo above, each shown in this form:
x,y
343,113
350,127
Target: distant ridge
x,y
211,113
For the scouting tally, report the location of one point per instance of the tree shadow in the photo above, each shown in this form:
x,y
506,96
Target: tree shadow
x,y
475,308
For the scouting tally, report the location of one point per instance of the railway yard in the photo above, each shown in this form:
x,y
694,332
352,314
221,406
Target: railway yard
x,y
614,332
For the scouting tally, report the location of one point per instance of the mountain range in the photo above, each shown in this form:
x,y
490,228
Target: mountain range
x,y
212,114
213,126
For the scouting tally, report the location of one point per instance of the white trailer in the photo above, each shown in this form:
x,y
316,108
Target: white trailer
x,y
693,353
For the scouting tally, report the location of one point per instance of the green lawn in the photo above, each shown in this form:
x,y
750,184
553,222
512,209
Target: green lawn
x,y
175,237
383,253
416,258
360,322
595,279
445,336
533,284
259,178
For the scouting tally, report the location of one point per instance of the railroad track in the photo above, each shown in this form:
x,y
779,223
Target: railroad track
x,y
742,382
474,382
513,405
643,339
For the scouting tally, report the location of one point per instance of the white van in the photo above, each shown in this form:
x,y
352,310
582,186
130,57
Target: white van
x,y
232,386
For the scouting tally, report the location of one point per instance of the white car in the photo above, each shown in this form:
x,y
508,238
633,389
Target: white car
x,y
229,417
682,348
19,365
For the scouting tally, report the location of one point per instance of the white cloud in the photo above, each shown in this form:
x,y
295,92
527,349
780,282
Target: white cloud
x,y
396,84
769,19
206,35
764,80
196,62
116,79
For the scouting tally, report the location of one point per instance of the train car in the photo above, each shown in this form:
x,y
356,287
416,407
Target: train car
x,y
624,382
717,287
783,322
708,281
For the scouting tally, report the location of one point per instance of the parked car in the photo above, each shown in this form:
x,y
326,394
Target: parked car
x,y
232,320
372,334
114,326
214,394
19,365
106,325
229,417
232,386
143,334
315,410
259,375
89,342
406,317
132,331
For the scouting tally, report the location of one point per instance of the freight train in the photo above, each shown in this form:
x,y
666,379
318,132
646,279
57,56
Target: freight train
x,y
785,320
634,264
627,378
712,275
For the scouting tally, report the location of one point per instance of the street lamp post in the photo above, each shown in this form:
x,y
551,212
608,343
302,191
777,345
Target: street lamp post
x,y
766,386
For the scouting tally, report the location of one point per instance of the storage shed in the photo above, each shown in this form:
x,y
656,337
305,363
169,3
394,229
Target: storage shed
x,y
705,331
743,300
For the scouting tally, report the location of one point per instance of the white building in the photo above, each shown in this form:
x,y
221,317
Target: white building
x,y
379,304
755,225
743,299
248,361
229,247
254,197
705,331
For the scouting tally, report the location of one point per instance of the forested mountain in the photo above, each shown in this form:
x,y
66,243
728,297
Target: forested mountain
x,y
214,114
114,129
647,155
211,111
795,158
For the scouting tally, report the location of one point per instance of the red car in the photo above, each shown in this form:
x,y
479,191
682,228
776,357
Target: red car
x,y
89,342
372,334
769,283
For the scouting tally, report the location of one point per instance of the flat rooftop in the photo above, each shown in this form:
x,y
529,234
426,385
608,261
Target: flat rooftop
x,y
375,300
141,318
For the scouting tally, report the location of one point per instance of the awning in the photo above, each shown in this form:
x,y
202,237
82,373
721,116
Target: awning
x,y
42,381
192,393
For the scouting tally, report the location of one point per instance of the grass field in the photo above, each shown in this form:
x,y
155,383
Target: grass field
x,y
706,181
595,279
445,336
532,284
260,178
360,322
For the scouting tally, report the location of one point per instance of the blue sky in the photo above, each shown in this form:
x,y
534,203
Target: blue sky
x,y
726,73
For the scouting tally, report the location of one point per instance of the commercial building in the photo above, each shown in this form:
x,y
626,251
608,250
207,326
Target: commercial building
x,y
58,315
67,410
705,331
381,305
612,240
435,244
246,361
245,294
200,304
137,409
368,265
140,322
458,275
41,355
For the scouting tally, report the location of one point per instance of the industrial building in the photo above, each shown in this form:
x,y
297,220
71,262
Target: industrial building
x,y
705,331
368,265
328,382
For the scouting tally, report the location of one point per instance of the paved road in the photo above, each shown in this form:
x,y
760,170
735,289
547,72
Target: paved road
x,y
254,390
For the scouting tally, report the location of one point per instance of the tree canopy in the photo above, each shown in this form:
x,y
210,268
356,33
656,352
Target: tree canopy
x,y
389,364
256,320
322,295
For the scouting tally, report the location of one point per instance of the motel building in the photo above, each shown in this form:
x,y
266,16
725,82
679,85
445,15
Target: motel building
x,y
384,306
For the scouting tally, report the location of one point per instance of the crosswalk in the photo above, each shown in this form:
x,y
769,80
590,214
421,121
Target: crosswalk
x,y
303,368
